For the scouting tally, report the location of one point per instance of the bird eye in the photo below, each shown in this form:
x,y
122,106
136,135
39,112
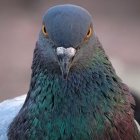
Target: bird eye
x,y
44,30
89,33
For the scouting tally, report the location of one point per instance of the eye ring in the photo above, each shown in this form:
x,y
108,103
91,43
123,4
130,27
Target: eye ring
x,y
44,31
89,33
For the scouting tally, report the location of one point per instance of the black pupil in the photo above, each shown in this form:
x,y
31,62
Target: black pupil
x,y
88,32
44,30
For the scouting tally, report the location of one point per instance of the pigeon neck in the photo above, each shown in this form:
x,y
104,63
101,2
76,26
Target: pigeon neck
x,y
85,106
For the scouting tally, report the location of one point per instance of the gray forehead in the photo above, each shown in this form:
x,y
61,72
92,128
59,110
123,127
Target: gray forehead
x,y
67,25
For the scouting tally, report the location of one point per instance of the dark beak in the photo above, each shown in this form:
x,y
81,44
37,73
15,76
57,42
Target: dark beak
x,y
65,57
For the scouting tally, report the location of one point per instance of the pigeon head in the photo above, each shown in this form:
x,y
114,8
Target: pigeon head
x,y
67,31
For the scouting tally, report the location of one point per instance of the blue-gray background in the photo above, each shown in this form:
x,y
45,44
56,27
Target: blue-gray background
x,y
116,22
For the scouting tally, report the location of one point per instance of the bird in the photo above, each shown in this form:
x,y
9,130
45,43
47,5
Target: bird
x,y
136,96
74,93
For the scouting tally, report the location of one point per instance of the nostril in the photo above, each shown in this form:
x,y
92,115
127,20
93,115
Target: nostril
x,y
77,48
60,57
72,58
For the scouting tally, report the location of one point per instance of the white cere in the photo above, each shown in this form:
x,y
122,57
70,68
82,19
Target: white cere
x,y
66,51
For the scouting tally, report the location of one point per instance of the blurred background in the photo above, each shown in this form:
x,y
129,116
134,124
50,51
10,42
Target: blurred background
x,y
116,22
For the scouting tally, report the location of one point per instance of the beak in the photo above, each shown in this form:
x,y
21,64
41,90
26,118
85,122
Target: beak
x,y
65,57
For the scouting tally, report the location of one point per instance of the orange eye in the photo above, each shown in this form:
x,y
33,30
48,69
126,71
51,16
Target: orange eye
x,y
44,30
89,33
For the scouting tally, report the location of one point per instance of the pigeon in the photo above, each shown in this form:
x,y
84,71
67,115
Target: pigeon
x,y
136,97
75,93
8,110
